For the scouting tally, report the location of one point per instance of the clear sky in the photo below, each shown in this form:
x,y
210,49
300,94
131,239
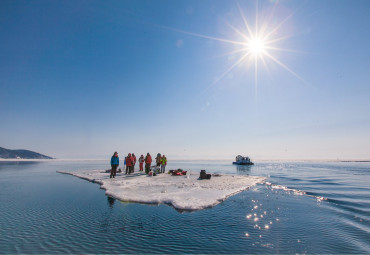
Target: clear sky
x,y
82,79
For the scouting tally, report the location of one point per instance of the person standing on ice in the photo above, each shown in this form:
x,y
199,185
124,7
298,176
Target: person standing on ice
x,y
163,163
114,162
128,163
148,162
134,162
141,162
158,159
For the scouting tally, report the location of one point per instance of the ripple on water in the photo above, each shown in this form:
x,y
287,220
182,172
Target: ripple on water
x,y
81,219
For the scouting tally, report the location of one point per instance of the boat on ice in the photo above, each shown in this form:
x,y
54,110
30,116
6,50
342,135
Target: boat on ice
x,y
240,160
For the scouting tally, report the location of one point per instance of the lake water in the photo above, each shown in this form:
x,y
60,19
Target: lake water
x,y
302,208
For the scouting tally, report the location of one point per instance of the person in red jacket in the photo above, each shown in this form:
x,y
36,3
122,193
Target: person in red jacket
x,y
128,163
134,162
141,162
148,162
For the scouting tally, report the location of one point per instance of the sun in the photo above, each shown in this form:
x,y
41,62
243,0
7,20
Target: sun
x,y
256,46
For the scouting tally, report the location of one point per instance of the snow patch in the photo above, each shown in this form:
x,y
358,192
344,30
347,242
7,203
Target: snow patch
x,y
182,192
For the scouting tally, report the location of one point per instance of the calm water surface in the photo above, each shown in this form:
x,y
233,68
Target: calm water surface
x,y
302,208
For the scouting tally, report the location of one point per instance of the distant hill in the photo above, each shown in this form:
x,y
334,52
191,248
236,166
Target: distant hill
x,y
21,154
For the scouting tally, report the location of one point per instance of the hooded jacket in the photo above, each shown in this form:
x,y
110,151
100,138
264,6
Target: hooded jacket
x,y
148,159
114,161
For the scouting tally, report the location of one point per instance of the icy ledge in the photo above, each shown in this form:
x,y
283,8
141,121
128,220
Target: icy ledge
x,y
182,192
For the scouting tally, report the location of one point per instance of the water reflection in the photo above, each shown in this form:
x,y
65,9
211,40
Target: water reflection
x,y
243,168
111,201
10,165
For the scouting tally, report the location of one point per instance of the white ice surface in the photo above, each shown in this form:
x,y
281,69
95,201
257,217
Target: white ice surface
x,y
182,192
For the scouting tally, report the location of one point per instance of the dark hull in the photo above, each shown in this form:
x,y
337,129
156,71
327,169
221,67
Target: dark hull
x,y
243,164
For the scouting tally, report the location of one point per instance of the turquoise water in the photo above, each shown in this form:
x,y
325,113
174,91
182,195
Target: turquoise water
x,y
303,208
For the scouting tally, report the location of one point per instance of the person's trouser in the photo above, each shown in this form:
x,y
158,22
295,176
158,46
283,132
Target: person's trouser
x,y
113,171
141,166
163,168
147,168
131,169
127,169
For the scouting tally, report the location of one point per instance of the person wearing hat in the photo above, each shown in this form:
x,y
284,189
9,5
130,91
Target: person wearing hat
x,y
114,162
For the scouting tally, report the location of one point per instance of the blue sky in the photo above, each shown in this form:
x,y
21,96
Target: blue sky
x,y
81,79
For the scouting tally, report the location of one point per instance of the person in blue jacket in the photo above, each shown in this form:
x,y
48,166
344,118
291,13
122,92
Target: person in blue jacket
x,y
114,162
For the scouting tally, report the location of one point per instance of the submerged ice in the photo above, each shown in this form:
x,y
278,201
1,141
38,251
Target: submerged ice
x,y
182,192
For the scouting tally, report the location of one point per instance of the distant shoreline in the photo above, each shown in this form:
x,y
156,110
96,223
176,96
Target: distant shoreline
x,y
24,159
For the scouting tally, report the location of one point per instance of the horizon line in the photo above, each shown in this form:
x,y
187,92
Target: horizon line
x,y
203,159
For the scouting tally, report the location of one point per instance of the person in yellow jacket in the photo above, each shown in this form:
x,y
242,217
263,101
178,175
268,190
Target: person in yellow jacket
x,y
163,163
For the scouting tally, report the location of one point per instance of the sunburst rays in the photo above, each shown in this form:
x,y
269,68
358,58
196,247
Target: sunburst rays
x,y
257,44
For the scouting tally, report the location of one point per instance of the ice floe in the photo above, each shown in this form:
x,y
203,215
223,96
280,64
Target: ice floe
x,y
182,192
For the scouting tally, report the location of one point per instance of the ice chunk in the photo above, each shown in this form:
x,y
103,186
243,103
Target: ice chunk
x,y
182,192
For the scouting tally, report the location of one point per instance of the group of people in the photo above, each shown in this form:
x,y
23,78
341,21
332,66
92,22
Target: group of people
x,y
161,161
130,161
